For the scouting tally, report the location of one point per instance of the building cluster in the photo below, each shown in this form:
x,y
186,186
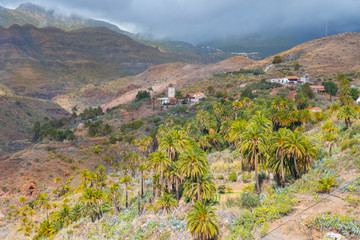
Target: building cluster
x,y
290,80
170,99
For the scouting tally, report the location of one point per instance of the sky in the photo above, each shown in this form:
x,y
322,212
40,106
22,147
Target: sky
x,y
203,20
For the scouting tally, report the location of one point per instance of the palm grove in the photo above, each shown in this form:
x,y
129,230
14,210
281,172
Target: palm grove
x,y
267,133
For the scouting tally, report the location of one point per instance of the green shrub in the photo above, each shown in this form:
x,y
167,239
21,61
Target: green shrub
x,y
232,176
221,177
342,223
348,143
249,200
246,176
325,184
221,189
229,189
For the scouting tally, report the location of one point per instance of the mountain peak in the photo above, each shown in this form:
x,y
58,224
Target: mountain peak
x,y
30,7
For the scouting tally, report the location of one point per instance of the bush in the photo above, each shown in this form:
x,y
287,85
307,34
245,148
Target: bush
x,y
142,95
229,190
277,59
221,189
344,224
232,176
221,177
249,200
325,184
246,176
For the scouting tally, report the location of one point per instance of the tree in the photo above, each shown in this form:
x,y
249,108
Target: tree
x,y
207,187
277,59
193,164
113,195
345,92
166,202
294,146
354,93
278,147
301,101
331,88
251,145
178,96
307,90
347,113
159,162
202,222
143,94
126,180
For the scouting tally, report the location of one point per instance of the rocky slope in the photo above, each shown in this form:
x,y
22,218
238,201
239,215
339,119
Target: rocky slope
x,y
53,60
124,90
332,54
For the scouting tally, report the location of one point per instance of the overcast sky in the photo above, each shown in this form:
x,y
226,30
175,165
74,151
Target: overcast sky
x,y
202,20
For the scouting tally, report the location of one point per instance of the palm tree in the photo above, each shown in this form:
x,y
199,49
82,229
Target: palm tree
x,y
193,164
207,187
236,106
330,139
202,222
329,127
236,129
295,147
126,179
347,112
278,147
159,162
142,168
166,202
167,144
201,118
251,145
113,195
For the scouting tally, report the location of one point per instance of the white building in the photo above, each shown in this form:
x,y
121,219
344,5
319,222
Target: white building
x,y
171,92
194,98
164,100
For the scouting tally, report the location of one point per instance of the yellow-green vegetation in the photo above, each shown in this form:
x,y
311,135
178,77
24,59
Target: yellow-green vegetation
x,y
258,154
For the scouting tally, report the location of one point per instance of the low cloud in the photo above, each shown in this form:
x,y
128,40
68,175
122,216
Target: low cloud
x,y
199,20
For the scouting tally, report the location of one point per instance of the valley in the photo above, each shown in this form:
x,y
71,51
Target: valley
x,y
104,135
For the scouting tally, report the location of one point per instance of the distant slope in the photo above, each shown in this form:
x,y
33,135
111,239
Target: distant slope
x,y
158,77
18,114
28,13
44,62
332,54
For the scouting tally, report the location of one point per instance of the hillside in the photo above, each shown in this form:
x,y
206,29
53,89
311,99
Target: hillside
x,y
17,117
158,78
28,13
332,54
54,61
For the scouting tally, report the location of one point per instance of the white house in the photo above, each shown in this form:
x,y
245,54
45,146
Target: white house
x,y
194,98
164,100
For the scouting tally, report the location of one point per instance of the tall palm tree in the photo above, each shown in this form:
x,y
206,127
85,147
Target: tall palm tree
x,y
159,162
236,106
236,129
167,143
202,222
201,118
251,145
193,164
278,141
114,194
207,187
126,180
142,168
295,147
347,113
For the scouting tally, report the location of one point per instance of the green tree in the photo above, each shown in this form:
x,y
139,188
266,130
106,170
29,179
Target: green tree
x,y
202,222
143,94
207,187
331,88
301,101
278,141
277,59
354,93
126,180
305,88
193,164
166,202
251,145
159,162
295,147
347,113
345,92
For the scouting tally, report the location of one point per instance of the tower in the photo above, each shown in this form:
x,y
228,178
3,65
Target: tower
x,y
171,92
